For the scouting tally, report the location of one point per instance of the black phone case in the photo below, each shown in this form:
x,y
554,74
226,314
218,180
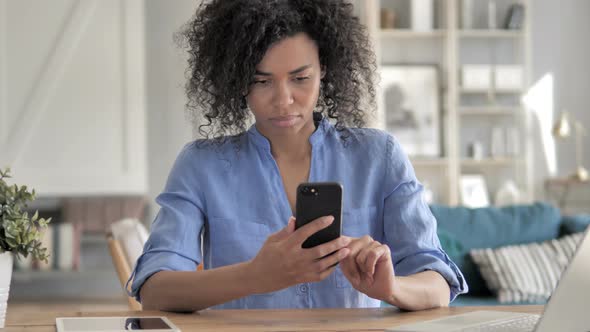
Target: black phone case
x,y
326,201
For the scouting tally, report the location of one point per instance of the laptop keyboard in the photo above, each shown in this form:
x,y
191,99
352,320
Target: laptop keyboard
x,y
521,324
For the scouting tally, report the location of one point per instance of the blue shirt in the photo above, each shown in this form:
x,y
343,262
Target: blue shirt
x,y
220,204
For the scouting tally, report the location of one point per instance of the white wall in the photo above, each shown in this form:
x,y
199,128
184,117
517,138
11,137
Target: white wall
x,y
560,45
72,96
168,128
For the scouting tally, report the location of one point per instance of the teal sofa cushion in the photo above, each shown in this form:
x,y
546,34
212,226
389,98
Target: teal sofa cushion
x,y
471,301
574,224
450,243
461,229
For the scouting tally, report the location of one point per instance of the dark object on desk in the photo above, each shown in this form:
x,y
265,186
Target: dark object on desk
x,y
515,18
315,200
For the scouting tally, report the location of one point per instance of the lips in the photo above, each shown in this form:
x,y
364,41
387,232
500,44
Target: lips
x,y
284,118
284,121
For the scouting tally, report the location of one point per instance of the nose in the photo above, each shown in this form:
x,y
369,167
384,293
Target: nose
x,y
282,95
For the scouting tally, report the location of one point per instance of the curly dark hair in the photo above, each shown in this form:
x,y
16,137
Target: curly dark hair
x,y
226,39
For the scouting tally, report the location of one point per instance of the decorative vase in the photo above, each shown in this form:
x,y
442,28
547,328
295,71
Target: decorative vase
x,y
475,150
492,15
5,276
422,15
467,14
387,18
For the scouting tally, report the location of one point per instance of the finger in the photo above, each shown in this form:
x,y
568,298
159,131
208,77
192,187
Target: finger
x,y
349,265
358,244
361,257
328,248
350,269
285,232
331,261
307,230
378,253
326,273
348,238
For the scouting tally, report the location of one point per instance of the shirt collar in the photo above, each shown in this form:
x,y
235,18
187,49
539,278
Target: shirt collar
x,y
316,139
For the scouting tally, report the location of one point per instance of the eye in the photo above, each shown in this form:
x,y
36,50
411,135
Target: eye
x,y
260,82
301,78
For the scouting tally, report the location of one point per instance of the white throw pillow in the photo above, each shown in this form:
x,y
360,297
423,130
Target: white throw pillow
x,y
525,273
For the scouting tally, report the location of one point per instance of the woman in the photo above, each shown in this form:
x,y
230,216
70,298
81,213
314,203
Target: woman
x,y
229,200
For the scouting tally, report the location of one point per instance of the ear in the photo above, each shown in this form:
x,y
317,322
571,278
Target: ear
x,y
323,72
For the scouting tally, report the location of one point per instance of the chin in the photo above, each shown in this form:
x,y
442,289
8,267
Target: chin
x,y
286,130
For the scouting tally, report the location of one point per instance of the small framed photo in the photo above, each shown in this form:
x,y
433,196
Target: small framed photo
x,y
411,101
474,192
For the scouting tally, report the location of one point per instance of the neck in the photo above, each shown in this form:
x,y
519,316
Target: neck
x,y
293,146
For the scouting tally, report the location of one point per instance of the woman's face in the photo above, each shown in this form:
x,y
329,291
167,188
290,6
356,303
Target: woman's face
x,y
285,89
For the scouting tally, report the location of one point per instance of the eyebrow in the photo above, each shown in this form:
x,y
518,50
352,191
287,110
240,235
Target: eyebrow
x,y
298,70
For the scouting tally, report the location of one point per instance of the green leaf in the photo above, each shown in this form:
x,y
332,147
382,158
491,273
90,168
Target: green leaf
x,y
20,233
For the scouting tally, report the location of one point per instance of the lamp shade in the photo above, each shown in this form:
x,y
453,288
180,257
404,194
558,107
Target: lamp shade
x,y
562,127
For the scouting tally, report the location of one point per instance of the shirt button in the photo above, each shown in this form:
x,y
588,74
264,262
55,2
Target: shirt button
x,y
303,288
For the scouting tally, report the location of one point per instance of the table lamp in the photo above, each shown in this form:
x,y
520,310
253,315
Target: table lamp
x,y
562,129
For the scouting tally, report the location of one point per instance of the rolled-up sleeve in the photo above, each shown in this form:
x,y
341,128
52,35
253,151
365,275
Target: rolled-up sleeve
x,y
410,227
174,243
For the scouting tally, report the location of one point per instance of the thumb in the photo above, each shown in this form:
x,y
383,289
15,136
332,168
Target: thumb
x,y
285,232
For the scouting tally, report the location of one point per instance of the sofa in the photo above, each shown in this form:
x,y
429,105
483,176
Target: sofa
x,y
462,229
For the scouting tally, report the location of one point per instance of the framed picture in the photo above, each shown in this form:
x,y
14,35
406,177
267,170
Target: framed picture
x,y
474,192
411,102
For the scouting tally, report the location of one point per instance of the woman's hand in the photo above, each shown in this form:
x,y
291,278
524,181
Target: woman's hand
x,y
369,268
282,262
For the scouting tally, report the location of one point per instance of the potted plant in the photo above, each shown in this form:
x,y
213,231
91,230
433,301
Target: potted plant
x,y
20,235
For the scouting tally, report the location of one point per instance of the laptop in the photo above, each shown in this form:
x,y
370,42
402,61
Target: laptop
x,y
567,309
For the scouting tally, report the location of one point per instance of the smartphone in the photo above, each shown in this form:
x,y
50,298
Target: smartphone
x,y
315,200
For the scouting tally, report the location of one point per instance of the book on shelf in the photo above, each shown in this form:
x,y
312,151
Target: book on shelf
x,y
62,242
64,246
46,242
77,229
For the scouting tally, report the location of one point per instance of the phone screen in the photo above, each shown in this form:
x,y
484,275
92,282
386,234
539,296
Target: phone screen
x,y
151,323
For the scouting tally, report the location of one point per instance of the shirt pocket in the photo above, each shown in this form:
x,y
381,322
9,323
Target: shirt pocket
x,y
234,241
356,222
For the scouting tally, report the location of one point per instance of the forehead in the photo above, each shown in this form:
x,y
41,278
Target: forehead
x,y
290,53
